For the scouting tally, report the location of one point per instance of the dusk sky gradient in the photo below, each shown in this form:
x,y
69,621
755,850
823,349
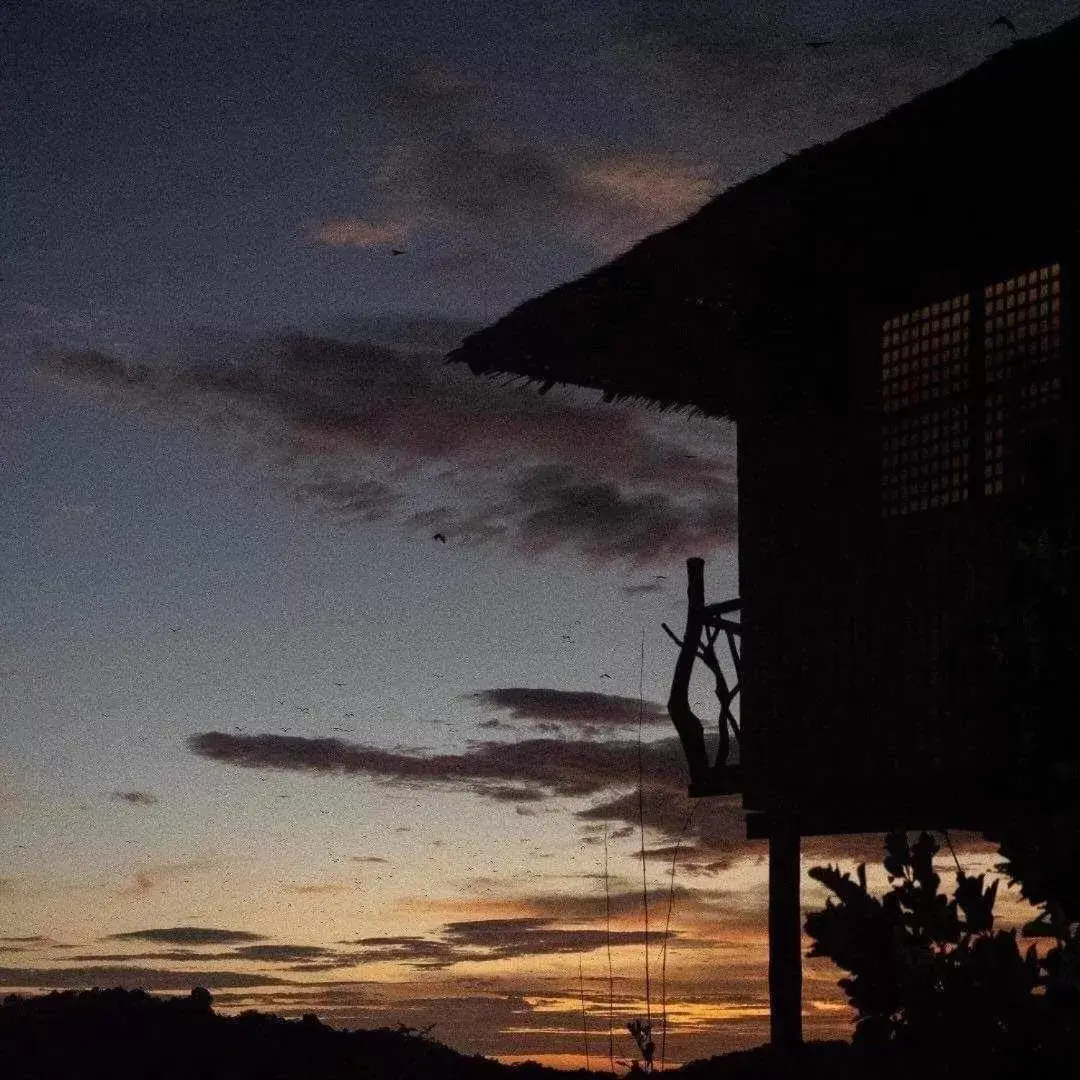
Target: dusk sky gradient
x,y
259,730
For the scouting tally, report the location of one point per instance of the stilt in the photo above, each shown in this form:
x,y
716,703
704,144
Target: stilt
x,y
785,936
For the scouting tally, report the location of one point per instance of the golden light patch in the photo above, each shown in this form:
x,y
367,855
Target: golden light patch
x,y
449,908
355,232
660,191
829,1006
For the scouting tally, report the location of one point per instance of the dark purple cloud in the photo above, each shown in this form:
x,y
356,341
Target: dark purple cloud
x,y
187,935
528,770
158,955
580,709
606,522
135,798
643,589
267,953
350,427
479,940
453,161
554,766
281,954
130,978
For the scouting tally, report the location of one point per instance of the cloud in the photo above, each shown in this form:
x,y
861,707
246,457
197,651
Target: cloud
x,y
354,232
281,954
130,978
187,935
20,944
451,162
346,497
484,940
553,507
515,793
159,877
578,709
157,955
642,589
325,888
552,766
266,953
135,798
526,771
352,427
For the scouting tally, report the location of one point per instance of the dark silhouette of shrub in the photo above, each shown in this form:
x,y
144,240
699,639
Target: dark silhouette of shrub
x,y
935,987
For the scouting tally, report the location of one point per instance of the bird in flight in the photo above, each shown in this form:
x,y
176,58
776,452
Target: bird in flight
x,y
396,251
815,45
1006,22
440,537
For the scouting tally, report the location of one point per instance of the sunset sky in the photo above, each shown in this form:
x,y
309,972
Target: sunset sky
x,y
261,731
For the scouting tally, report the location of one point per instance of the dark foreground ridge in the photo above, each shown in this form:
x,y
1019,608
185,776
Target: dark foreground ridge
x,y
128,1034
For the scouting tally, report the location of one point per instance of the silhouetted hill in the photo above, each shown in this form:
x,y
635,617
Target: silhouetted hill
x,y
121,1034
128,1034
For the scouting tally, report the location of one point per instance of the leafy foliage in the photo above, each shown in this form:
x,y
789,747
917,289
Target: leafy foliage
x,y
931,979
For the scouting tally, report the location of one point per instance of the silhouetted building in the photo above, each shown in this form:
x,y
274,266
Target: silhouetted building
x,y
888,319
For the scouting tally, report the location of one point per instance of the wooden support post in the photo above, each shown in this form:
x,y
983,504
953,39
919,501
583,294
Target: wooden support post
x,y
785,936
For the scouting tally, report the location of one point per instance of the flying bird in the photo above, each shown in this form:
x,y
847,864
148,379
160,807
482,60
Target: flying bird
x,y
397,251
1006,22
440,537
815,45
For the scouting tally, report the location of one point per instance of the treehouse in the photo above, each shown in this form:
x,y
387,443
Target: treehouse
x,y
889,320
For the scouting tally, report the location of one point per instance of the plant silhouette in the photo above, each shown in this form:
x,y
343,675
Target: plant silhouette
x,y
935,987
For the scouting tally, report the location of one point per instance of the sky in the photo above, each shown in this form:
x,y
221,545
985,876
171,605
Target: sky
x,y
261,730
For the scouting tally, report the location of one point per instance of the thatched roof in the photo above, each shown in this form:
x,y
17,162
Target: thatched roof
x,y
751,303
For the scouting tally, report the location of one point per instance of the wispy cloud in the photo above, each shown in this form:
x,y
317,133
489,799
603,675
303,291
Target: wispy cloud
x,y
352,427
452,162
321,888
555,766
135,798
130,978
579,709
355,232
282,954
483,940
187,935
159,876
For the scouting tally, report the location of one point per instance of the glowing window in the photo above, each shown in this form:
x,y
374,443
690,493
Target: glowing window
x,y
1022,351
925,460
925,354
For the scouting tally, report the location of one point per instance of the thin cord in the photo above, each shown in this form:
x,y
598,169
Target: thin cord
x,y
945,833
584,1022
641,823
610,975
667,932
